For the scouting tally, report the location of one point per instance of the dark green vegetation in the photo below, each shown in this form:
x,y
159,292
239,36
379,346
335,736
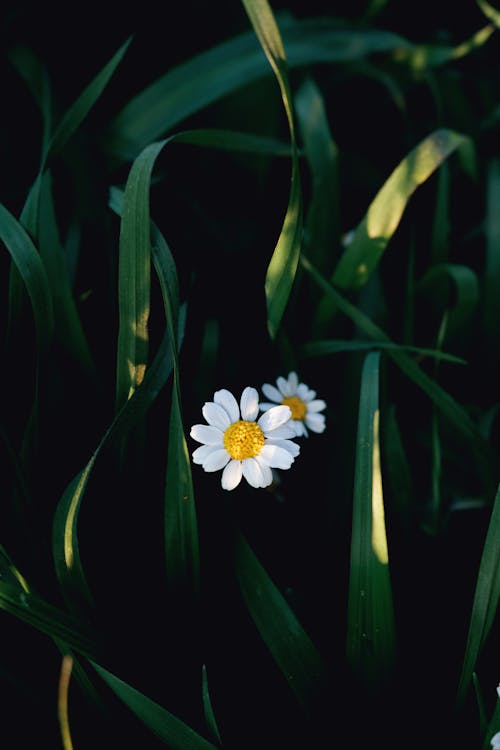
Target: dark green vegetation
x,y
211,204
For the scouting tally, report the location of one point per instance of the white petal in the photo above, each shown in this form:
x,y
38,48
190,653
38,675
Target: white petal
x,y
226,399
204,433
265,405
317,405
231,476
249,404
267,474
299,427
288,445
275,456
272,393
283,386
216,415
201,454
216,460
305,393
274,418
252,472
315,422
293,382
286,430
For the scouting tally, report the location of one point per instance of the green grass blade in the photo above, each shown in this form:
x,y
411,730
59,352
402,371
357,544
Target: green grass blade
x,y
181,530
134,276
37,80
333,346
68,327
210,719
490,12
65,549
79,110
290,645
283,265
384,214
31,269
449,407
175,733
486,598
371,647
453,287
490,297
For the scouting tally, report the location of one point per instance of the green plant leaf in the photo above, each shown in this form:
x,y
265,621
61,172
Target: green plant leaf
x,y
174,732
449,407
486,598
208,709
283,265
371,647
31,269
290,645
372,235
334,346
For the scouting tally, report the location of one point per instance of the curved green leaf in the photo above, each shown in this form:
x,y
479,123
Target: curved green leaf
x,y
174,732
372,235
290,645
370,647
283,265
486,598
30,267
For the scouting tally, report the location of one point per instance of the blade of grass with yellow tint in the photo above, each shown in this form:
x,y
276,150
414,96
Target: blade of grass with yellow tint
x,y
283,265
291,647
175,733
384,214
371,636
486,598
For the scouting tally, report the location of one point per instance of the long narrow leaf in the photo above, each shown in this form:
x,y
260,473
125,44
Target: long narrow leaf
x,y
30,267
174,732
283,265
370,648
384,214
290,645
486,598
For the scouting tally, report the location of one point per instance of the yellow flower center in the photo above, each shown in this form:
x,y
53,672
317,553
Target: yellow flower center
x,y
297,406
243,440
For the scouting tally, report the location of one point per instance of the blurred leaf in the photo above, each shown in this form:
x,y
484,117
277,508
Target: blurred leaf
x,y
36,77
229,66
463,298
490,295
31,269
68,327
486,597
289,644
283,265
174,732
490,12
333,346
371,646
372,235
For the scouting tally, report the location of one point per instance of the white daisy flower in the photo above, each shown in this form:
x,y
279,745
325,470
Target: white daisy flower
x,y
304,405
495,741
239,444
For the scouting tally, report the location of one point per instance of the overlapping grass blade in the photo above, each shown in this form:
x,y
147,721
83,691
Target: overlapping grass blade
x,y
65,546
370,647
181,531
175,733
290,645
46,618
283,265
333,346
486,598
31,269
384,214
449,407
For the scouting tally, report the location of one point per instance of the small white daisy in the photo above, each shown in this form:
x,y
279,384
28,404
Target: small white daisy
x,y
302,401
240,445
495,741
